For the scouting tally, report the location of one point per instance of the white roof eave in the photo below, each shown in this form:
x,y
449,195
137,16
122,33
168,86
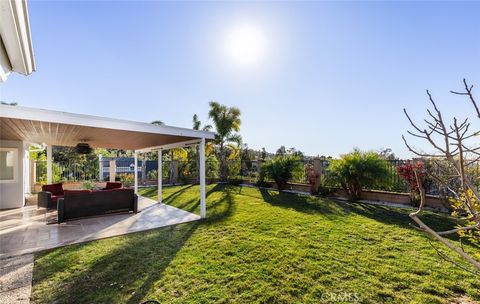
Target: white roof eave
x,y
16,36
26,113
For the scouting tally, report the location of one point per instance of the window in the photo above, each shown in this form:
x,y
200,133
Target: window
x,y
8,165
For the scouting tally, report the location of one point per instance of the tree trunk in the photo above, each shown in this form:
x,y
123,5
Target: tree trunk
x,y
144,168
424,227
171,169
223,164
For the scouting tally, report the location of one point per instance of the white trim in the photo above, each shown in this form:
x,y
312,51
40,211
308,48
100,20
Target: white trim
x,y
16,36
49,165
170,146
5,67
135,174
17,112
203,207
160,177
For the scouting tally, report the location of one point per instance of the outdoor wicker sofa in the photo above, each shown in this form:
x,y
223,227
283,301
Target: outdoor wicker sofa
x,y
48,197
84,203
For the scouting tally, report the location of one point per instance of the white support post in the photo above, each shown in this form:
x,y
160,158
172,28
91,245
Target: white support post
x,y
160,175
135,172
49,165
203,207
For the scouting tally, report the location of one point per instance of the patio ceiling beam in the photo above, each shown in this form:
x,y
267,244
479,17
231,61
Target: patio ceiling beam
x,y
171,146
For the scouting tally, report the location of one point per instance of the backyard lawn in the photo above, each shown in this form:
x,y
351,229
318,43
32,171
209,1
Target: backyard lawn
x,y
259,246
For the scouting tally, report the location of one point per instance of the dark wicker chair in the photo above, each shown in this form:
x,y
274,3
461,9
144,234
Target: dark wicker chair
x,y
48,197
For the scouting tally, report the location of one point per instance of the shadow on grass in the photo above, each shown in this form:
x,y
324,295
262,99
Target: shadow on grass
x,y
219,209
153,191
127,272
329,208
124,274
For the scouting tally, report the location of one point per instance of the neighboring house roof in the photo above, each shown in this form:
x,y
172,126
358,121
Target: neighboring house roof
x,y
67,129
16,50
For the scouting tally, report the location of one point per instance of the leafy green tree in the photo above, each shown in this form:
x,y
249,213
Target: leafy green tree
x,y
211,167
227,122
246,157
282,168
357,170
197,124
263,154
72,166
281,151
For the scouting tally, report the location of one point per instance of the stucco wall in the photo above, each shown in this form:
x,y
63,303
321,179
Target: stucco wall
x,y
374,195
397,198
12,193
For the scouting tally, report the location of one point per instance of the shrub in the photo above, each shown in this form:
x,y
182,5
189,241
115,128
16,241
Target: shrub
x,y
407,173
281,169
472,235
126,179
357,170
234,166
235,181
152,174
211,167
88,185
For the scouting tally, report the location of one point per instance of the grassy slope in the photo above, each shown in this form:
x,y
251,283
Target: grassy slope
x,y
258,246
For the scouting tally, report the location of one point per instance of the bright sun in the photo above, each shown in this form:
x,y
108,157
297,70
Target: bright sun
x,y
245,45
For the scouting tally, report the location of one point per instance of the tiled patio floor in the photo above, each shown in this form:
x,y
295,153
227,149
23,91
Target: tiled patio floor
x,y
24,230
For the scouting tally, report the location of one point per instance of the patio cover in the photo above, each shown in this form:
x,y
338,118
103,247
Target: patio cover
x,y
54,128
67,129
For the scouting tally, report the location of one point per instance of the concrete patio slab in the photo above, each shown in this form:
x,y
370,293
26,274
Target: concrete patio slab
x,y
24,230
16,279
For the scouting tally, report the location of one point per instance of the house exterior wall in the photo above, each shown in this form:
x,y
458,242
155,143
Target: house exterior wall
x,y
12,192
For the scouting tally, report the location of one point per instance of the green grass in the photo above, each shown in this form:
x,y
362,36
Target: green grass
x,y
259,246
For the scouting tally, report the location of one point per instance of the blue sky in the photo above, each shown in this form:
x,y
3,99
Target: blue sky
x,y
331,75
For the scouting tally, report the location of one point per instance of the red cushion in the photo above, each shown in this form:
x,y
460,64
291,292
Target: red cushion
x,y
76,192
122,190
55,189
56,197
113,185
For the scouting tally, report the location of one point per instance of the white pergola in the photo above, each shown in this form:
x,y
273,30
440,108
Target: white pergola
x,y
50,128
160,149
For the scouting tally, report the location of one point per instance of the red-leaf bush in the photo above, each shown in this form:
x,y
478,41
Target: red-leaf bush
x,y
407,173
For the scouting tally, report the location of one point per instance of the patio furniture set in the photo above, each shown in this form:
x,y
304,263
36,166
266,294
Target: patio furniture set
x,y
74,204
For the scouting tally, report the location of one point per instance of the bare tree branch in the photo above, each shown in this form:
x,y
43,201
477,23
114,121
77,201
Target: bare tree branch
x,y
450,141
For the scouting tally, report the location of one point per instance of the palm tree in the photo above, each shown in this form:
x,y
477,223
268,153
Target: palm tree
x,y
197,125
227,122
